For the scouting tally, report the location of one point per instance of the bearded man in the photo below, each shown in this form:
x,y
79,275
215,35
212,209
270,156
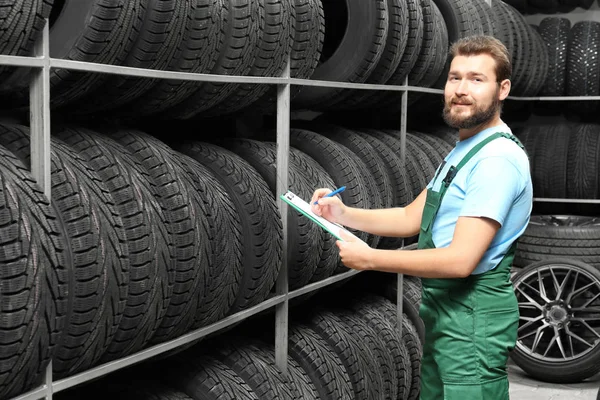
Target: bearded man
x,y
468,218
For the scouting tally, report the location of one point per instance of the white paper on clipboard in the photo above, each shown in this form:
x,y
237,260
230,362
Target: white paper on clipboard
x,y
304,208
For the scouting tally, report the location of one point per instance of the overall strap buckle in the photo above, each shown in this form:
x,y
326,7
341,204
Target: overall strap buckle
x,y
452,171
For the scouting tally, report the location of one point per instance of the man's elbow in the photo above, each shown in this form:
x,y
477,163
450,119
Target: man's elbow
x,y
464,266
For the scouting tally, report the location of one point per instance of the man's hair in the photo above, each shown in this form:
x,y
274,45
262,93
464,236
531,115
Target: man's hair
x,y
477,45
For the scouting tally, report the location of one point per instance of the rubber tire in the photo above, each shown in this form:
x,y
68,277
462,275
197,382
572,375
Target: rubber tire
x,y
205,378
323,366
186,224
565,236
570,371
224,273
366,384
30,226
101,31
355,57
21,26
254,367
235,57
262,232
583,66
100,283
555,33
303,255
329,257
392,340
338,164
151,273
197,34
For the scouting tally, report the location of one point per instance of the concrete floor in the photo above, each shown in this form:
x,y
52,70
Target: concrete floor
x,y
522,387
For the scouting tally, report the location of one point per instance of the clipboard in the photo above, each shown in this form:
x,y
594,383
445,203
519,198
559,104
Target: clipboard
x,y
304,208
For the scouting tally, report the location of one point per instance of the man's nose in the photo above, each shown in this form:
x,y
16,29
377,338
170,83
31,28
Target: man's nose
x,y
462,88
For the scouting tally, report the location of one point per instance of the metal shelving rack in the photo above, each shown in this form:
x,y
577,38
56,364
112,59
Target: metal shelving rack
x,y
40,116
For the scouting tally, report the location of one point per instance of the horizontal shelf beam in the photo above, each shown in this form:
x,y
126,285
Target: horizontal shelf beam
x,y
555,98
321,284
18,61
578,201
35,394
157,74
113,366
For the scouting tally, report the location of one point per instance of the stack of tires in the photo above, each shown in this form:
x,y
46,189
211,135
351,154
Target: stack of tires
x,y
574,68
349,351
549,7
144,242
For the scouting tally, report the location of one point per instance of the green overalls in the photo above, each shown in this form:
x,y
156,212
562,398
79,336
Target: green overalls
x,y
470,323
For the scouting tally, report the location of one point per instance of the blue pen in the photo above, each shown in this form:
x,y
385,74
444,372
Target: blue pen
x,y
336,191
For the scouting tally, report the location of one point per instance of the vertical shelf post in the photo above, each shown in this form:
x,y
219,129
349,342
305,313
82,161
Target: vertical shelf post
x,y
39,114
403,116
39,120
282,288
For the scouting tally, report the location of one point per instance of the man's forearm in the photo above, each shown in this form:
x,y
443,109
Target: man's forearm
x,y
392,222
429,263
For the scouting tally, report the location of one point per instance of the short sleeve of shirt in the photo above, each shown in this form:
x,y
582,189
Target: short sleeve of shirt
x,y
492,186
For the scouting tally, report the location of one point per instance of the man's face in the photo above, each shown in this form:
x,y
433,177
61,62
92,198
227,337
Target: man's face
x,y
472,95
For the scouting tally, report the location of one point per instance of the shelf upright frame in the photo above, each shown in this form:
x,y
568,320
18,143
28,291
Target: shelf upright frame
x,y
282,185
39,119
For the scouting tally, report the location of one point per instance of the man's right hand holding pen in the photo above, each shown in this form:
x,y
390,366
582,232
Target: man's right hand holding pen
x,y
329,207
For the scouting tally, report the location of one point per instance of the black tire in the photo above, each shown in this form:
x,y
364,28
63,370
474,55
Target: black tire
x,y
358,360
362,37
442,147
307,45
155,45
151,273
300,384
413,169
550,160
371,336
303,255
409,57
401,190
426,55
338,164
555,33
205,378
395,44
583,65
101,279
552,236
456,16
323,366
566,287
102,31
235,57
225,272
271,55
186,224
365,152
21,25
329,257
37,262
432,153
197,34
256,369
261,224
414,346
392,339
583,162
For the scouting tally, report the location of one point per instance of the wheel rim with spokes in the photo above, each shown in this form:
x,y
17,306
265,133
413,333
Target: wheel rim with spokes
x,y
559,307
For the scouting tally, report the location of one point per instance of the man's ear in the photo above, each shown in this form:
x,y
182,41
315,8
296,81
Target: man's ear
x,y
504,89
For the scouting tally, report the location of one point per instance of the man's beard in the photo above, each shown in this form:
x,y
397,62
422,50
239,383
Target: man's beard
x,y
479,116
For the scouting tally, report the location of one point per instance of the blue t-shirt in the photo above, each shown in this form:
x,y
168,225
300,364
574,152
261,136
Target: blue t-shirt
x,y
495,183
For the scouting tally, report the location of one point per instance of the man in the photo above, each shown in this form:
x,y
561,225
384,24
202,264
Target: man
x,y
468,220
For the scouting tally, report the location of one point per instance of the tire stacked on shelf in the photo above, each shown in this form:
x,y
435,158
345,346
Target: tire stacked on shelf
x,y
564,161
354,351
37,278
21,26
